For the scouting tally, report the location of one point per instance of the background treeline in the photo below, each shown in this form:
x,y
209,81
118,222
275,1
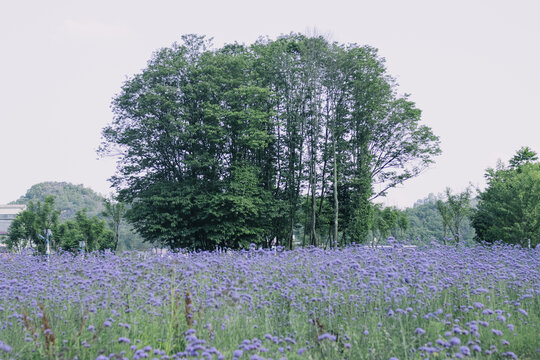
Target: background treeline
x,y
74,213
247,144
507,210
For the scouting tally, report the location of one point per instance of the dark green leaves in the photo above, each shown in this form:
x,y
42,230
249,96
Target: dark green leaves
x,y
219,147
509,208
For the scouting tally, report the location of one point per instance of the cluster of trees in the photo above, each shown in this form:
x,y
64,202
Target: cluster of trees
x,y
247,144
71,199
388,221
426,222
509,209
33,226
74,214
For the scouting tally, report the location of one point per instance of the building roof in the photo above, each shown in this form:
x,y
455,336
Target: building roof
x,y
11,209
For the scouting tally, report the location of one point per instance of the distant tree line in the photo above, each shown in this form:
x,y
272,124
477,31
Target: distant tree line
x,y
247,144
40,222
507,210
75,213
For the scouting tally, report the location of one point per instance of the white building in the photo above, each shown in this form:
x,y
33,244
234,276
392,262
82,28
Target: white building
x,y
7,214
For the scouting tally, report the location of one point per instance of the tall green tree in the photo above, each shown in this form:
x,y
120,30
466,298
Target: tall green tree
x,y
93,231
446,216
115,212
509,208
454,211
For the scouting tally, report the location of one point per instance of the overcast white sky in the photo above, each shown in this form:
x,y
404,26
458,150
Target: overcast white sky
x,y
473,67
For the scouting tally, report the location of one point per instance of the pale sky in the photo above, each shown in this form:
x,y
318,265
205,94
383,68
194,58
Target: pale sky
x,y
472,67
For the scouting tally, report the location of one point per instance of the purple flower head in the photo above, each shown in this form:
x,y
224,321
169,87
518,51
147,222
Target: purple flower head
x,y
455,341
509,354
419,331
327,336
523,312
238,353
496,332
301,350
5,347
123,340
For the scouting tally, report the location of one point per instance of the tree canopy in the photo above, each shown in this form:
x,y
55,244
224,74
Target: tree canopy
x,y
223,147
509,208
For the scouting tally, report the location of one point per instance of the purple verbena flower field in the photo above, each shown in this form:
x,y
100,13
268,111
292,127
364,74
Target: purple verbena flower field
x,y
354,303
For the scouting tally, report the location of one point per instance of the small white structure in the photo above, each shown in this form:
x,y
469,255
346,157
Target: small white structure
x,y
7,214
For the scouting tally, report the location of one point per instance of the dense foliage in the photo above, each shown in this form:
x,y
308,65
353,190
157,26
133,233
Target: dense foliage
x,y
509,208
31,227
355,303
93,231
225,147
39,223
70,199
454,211
426,223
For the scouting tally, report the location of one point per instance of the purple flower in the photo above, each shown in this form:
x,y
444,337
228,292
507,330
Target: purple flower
x,y
455,341
465,350
509,354
496,332
238,353
327,336
123,340
478,305
419,331
523,312
301,350
5,347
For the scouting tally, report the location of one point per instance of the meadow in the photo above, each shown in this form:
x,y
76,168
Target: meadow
x,y
434,302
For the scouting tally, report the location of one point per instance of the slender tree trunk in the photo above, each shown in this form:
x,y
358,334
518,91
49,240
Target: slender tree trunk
x,y
336,202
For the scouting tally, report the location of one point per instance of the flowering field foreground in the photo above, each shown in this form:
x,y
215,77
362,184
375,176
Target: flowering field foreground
x,y
354,303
